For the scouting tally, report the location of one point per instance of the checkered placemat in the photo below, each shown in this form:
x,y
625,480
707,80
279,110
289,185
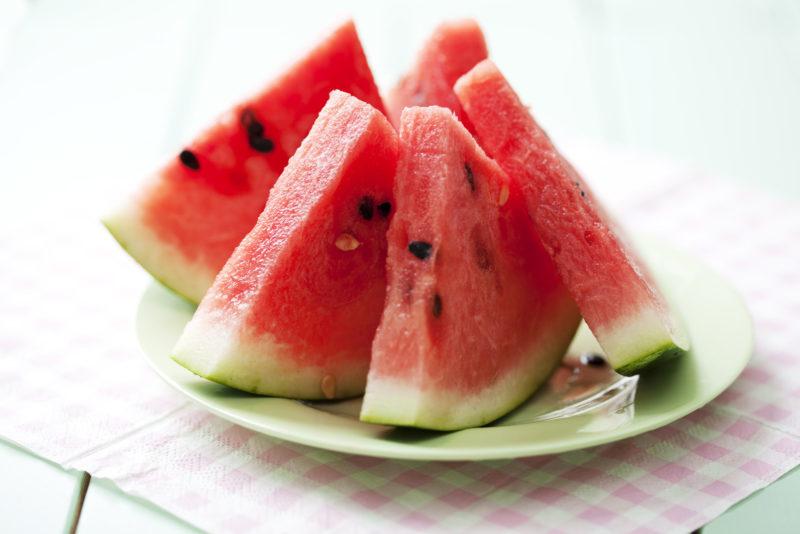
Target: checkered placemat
x,y
74,389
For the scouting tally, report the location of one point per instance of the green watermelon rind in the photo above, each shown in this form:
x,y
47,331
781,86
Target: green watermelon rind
x,y
228,380
111,229
261,367
225,380
442,423
122,224
642,339
659,355
387,403
394,409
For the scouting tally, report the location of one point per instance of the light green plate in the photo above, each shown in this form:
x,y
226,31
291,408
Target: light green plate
x,y
718,324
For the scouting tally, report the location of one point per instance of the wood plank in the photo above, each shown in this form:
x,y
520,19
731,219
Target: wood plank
x,y
773,509
35,495
108,509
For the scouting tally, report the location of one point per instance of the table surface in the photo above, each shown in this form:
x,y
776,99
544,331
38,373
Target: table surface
x,y
89,86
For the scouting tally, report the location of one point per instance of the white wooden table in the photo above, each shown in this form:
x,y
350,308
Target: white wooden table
x,y
93,94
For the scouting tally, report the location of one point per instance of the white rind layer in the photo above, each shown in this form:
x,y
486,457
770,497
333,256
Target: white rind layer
x,y
398,402
162,260
213,348
639,338
394,402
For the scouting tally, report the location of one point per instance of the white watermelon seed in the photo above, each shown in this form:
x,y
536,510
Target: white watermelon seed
x,y
347,242
504,192
328,386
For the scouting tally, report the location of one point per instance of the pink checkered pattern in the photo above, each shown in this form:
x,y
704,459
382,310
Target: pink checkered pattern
x,y
74,389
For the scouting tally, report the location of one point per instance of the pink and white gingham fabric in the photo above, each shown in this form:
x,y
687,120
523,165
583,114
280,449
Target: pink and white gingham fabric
x,y
74,389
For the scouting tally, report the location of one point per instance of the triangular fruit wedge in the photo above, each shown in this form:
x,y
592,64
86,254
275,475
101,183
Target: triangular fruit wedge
x,y
476,317
184,223
616,294
295,308
452,49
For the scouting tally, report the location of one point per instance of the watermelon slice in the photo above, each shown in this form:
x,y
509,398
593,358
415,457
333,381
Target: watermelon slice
x,y
184,224
476,317
452,49
295,308
616,294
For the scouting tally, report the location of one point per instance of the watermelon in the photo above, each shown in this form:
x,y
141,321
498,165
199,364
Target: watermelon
x,y
295,308
476,317
184,223
452,49
612,287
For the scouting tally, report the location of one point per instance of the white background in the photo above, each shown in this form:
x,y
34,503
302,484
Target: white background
x,y
94,94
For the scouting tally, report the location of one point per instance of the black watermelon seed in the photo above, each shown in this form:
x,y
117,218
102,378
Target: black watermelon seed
x,y
470,176
366,208
252,125
593,359
420,249
188,158
385,208
261,144
437,306
583,193
255,129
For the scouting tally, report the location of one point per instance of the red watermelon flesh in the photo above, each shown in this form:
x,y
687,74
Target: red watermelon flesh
x,y
295,308
616,294
184,224
452,49
476,317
